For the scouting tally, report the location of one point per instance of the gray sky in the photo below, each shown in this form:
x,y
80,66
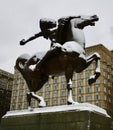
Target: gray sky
x,y
20,19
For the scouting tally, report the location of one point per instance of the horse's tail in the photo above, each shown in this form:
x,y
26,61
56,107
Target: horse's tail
x,y
20,62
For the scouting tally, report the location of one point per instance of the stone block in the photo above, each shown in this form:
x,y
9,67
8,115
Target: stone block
x,y
68,117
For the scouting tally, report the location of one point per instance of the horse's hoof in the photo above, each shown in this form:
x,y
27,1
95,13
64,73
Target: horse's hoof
x,y
93,78
97,74
42,104
30,108
72,103
91,81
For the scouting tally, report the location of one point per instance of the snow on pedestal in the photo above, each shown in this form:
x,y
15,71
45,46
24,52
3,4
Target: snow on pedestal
x,y
82,116
77,107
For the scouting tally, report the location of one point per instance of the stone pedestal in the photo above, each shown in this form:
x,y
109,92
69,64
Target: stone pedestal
x,y
69,117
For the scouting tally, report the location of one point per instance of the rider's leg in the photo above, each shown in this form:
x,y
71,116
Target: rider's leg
x,y
33,60
50,53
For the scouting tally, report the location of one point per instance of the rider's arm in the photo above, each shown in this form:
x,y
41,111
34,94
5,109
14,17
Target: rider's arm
x,y
35,36
23,41
45,33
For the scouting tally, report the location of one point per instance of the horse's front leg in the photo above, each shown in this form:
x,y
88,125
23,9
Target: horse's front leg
x,y
68,75
94,57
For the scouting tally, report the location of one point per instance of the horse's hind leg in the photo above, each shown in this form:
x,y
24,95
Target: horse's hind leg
x,y
29,101
39,98
94,57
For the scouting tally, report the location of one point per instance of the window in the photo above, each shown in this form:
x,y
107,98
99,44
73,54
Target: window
x,y
109,84
15,93
47,88
80,76
105,89
112,71
63,79
13,107
63,86
19,99
80,99
105,97
21,81
74,77
108,76
97,104
62,101
104,66
104,73
88,98
80,83
47,96
19,106
63,93
21,92
55,94
47,103
13,100
55,102
109,91
97,89
105,81
98,81
88,90
80,91
109,69
86,83
25,105
97,97
55,87
55,80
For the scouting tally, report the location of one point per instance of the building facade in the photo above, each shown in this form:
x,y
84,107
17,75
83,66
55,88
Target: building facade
x,y
55,92
6,83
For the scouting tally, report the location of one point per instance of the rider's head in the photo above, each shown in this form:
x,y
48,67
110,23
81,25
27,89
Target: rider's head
x,y
46,23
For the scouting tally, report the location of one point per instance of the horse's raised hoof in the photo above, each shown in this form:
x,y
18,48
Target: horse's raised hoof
x,y
91,81
93,78
97,74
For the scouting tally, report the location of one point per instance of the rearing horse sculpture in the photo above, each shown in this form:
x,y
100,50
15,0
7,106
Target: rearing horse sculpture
x,y
71,58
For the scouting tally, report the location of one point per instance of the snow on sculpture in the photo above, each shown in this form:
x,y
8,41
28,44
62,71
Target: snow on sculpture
x,y
67,55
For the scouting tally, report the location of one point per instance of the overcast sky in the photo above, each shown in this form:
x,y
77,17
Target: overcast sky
x,y
20,19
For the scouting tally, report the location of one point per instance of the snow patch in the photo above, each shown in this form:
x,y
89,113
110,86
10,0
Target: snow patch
x,y
72,46
32,67
76,107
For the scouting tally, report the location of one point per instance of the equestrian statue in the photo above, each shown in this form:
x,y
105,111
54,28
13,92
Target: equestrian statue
x,y
66,55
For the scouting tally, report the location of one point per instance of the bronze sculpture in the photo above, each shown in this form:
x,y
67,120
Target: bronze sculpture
x,y
67,54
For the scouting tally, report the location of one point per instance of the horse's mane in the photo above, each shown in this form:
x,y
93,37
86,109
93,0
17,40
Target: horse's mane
x,y
62,28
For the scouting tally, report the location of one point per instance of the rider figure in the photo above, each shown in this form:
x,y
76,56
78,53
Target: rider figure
x,y
56,34
48,31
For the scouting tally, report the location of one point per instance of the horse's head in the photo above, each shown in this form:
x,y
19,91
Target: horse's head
x,y
20,62
83,21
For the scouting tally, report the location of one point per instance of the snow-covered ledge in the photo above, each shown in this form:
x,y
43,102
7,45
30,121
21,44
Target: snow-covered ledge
x,y
77,107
